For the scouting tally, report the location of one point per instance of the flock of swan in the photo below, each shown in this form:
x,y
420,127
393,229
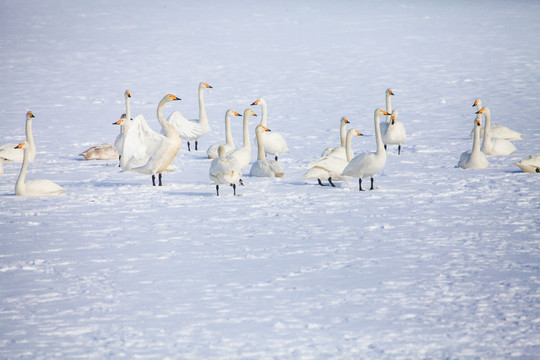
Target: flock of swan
x,y
143,150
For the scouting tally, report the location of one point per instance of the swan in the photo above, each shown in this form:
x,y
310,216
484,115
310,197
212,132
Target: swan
x,y
475,158
243,154
225,170
192,129
162,153
340,150
10,152
331,167
274,143
212,151
497,131
264,167
100,152
530,164
493,146
393,132
33,187
369,164
389,93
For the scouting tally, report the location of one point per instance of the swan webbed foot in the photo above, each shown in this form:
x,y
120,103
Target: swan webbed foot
x,y
320,182
159,176
217,190
371,188
330,181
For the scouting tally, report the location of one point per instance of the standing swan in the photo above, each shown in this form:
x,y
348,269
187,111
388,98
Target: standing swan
x,y
530,164
192,129
493,146
243,154
274,143
369,164
212,151
340,150
11,152
33,187
225,170
162,153
393,132
331,167
497,131
475,158
264,167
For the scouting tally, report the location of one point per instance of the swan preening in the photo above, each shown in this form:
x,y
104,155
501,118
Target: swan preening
x,y
492,146
212,151
11,152
225,170
33,187
274,143
330,167
264,167
475,158
530,164
393,132
497,131
193,129
369,164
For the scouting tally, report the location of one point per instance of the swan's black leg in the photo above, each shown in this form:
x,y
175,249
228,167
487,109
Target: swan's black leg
x,y
360,184
196,145
159,180
384,146
399,149
371,184
241,182
234,188
320,182
330,181
153,180
276,157
217,190
119,158
188,148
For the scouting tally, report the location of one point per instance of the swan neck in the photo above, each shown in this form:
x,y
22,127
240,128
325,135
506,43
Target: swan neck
x,y
261,154
264,110
19,185
476,140
167,128
342,132
348,147
228,134
128,109
247,144
202,110
378,136
30,139
487,126
388,106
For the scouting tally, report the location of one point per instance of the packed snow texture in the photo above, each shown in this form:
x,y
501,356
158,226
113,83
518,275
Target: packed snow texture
x,y
436,262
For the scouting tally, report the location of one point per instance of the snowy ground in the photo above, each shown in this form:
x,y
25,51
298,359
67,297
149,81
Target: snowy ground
x,y
437,262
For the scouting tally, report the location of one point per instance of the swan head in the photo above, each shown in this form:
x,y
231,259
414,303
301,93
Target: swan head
x,y
29,115
231,112
345,120
477,102
389,91
260,129
121,120
23,145
477,122
484,110
127,94
380,112
394,116
258,101
205,85
248,112
171,97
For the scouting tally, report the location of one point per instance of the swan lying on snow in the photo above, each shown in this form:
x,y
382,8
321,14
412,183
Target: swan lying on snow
x,y
264,167
493,146
475,158
33,187
100,152
530,164
225,170
10,152
274,143
369,164
212,151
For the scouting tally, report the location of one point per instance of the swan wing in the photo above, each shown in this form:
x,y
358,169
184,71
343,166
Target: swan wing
x,y
187,129
41,187
274,143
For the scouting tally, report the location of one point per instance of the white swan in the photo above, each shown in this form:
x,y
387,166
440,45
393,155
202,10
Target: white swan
x,y
33,187
492,146
212,151
530,164
497,131
162,152
243,154
369,164
274,143
264,167
192,129
393,132
100,152
475,158
340,150
10,152
331,167
225,170
388,99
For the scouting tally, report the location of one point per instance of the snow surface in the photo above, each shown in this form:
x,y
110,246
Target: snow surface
x,y
436,262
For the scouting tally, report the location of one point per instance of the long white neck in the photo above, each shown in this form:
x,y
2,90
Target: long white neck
x,y
264,119
348,142
128,107
247,144
342,131
261,154
20,184
167,128
228,134
30,139
203,119
388,105
378,136
476,140
487,126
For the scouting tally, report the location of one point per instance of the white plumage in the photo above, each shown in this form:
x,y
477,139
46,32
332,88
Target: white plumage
x,y
243,154
393,132
212,151
492,146
274,143
474,158
11,152
225,170
264,167
530,164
